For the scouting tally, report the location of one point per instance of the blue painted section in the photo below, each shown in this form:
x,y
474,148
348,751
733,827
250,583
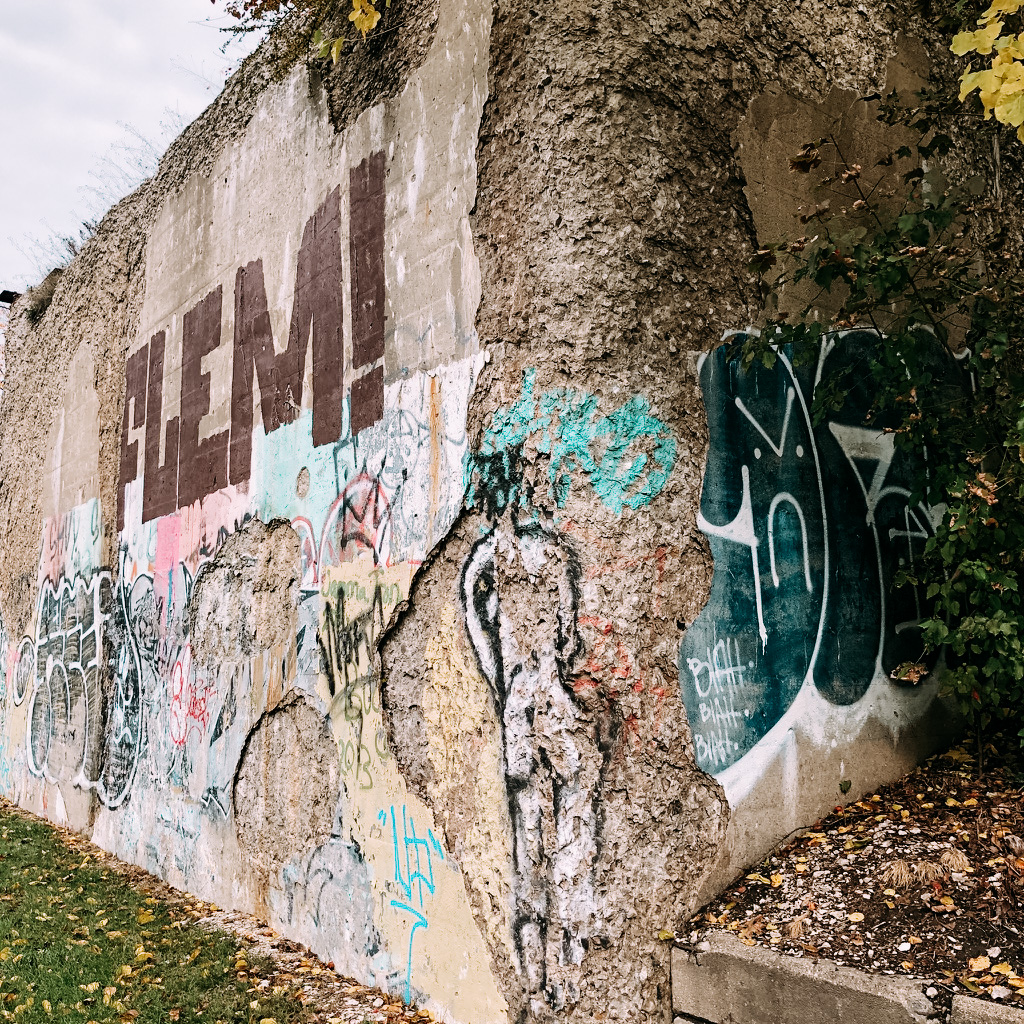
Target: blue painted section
x,y
277,459
807,526
414,875
626,456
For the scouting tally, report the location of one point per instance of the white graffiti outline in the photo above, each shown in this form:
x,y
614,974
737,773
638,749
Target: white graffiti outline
x,y
776,501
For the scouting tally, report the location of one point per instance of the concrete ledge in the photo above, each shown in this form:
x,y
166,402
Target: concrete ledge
x,y
732,983
980,1011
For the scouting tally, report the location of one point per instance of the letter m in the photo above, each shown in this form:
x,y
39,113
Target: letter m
x,y
316,310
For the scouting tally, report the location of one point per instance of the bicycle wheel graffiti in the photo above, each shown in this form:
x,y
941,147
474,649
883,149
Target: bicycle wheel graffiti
x,y
75,733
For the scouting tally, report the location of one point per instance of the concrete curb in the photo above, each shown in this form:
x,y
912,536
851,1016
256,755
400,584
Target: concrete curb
x,y
980,1011
731,983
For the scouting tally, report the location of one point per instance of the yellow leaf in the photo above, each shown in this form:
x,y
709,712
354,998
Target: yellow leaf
x,y
145,917
981,42
799,868
1011,112
856,918
979,963
758,878
46,1006
1002,7
364,16
91,987
776,880
1003,968
907,965
665,935
971,803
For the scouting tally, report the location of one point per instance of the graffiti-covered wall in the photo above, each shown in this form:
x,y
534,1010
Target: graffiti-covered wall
x,y
388,550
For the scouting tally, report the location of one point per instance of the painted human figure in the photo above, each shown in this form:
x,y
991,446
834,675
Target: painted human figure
x,y
520,596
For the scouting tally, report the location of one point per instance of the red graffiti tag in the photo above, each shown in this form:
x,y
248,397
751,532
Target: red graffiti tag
x,y
190,699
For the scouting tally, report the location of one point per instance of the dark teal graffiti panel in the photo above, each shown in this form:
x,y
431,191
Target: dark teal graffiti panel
x,y
807,524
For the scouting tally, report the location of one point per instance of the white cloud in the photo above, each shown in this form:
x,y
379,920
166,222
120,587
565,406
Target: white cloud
x,y
72,74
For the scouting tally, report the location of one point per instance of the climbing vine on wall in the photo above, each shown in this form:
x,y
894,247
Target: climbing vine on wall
x,y
319,18
930,268
1000,84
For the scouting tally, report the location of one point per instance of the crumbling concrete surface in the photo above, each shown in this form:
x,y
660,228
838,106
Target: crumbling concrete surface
x,y
247,597
353,541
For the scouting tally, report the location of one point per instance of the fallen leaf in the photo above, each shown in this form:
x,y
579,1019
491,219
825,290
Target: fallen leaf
x,y
979,963
856,917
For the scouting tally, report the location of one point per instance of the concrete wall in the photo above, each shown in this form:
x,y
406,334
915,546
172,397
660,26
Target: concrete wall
x,y
381,552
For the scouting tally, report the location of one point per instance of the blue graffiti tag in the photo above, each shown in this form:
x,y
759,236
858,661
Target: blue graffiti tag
x,y
412,880
626,456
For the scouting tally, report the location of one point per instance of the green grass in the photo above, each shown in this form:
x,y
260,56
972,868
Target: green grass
x,y
80,943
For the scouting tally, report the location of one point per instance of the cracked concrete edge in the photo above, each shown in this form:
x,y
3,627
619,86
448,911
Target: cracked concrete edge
x,y
754,985
968,1010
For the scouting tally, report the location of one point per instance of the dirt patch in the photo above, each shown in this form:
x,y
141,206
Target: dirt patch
x,y
924,878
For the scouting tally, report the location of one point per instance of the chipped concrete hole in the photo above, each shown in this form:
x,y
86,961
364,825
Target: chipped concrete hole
x,y
246,596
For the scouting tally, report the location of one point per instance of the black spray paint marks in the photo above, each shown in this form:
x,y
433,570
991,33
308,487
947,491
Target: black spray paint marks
x,y
520,597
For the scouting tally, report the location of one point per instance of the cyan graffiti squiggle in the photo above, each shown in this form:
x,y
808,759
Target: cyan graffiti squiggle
x,y
626,455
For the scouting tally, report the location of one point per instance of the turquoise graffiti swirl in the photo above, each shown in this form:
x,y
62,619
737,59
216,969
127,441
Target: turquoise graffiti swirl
x,y
626,455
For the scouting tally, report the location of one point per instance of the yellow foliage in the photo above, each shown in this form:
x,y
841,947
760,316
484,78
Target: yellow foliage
x,y
364,16
1000,85
983,41
1002,7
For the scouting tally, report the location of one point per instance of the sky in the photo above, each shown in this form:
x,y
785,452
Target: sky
x,y
89,91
